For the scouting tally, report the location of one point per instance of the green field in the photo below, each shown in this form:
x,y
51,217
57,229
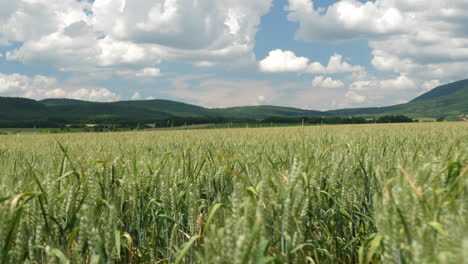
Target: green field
x,y
322,194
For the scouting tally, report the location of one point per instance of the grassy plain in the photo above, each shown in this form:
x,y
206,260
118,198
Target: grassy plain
x,y
324,194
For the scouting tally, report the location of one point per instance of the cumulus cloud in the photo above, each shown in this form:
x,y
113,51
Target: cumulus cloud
x,y
345,19
337,65
279,61
283,61
31,20
328,82
80,35
40,87
418,38
184,24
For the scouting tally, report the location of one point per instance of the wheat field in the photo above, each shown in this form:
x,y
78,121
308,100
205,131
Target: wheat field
x,y
324,194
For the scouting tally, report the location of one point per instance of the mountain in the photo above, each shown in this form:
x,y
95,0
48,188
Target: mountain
x,y
263,111
170,107
62,101
103,111
21,108
451,90
446,101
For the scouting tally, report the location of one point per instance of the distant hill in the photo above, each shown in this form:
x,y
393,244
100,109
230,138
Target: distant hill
x,y
62,101
451,90
170,107
263,111
446,101
103,111
20,109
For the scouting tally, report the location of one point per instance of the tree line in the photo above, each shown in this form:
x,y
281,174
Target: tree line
x,y
106,124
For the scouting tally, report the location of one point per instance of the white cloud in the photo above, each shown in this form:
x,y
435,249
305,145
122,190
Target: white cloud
x,y
227,93
345,19
40,87
149,72
400,83
260,99
337,65
283,61
31,20
411,37
78,35
423,43
316,98
144,75
328,82
136,96
286,61
355,97
429,85
204,64
374,91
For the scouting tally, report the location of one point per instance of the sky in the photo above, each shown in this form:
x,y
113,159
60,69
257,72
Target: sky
x,y
311,54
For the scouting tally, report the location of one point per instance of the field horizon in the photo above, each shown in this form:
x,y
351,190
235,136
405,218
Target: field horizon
x,y
445,102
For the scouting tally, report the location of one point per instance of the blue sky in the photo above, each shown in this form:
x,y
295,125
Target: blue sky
x,y
310,54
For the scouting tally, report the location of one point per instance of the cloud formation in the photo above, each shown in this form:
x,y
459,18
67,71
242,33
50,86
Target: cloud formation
x,y
148,72
412,37
283,61
227,93
79,35
328,82
374,91
279,61
414,46
400,83
41,87
355,97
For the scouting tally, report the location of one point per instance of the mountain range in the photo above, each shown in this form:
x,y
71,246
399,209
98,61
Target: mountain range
x,y
446,101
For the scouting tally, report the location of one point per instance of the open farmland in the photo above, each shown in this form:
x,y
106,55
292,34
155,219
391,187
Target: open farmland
x,y
324,194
